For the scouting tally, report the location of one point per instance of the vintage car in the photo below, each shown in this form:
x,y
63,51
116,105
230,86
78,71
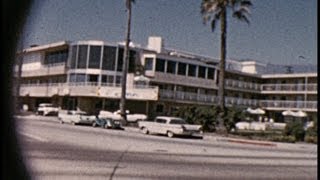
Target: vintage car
x,y
131,118
46,109
170,126
107,123
75,117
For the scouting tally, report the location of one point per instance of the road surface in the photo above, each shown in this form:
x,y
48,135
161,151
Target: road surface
x,y
62,151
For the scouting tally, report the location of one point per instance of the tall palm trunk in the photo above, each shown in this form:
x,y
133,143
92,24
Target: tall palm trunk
x,y
125,66
223,52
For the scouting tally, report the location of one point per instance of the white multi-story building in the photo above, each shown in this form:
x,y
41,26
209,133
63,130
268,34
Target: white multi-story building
x,y
87,75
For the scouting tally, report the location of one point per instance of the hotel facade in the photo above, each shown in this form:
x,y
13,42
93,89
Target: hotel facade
x,y
86,75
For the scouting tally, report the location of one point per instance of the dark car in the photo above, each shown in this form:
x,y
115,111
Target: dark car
x,y
107,123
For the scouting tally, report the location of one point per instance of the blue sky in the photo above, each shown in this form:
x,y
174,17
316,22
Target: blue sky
x,y
279,32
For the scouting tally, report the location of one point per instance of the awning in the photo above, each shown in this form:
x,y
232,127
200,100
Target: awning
x,y
294,114
288,113
141,78
256,111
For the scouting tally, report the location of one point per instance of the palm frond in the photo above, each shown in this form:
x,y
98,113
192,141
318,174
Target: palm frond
x,y
213,25
242,17
246,3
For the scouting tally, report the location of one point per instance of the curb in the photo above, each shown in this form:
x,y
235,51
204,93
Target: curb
x,y
247,142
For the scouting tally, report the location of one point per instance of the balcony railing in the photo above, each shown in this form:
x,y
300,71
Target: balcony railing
x,y
285,104
242,85
202,98
84,84
289,87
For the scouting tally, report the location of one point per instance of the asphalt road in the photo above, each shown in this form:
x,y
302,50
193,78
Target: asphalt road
x,y
62,151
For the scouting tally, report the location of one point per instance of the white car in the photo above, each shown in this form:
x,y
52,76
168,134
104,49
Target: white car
x,y
170,126
116,116
76,117
47,109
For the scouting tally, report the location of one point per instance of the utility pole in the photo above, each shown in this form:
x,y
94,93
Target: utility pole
x,y
125,65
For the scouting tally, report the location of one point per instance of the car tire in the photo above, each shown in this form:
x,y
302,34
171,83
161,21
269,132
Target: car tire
x,y
170,134
144,130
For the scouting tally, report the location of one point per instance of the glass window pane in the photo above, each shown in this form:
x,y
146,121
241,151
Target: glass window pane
x,y
210,73
109,58
94,59
201,72
120,59
192,70
82,56
160,65
182,68
148,63
171,67
132,60
73,56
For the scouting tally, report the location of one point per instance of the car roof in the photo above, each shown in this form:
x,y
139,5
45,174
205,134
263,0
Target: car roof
x,y
169,117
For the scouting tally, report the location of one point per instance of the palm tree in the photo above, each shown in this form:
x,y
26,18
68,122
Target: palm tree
x,y
125,64
213,11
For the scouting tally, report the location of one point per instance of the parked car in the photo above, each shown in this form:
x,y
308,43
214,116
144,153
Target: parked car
x,y
132,118
47,109
75,117
170,126
107,123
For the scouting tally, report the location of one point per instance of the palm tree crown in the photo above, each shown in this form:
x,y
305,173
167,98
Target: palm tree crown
x,y
212,10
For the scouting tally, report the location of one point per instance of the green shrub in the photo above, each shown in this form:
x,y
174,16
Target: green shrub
x,y
204,116
295,128
281,138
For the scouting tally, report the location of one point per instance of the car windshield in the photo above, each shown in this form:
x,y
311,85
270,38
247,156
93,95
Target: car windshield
x,y
177,121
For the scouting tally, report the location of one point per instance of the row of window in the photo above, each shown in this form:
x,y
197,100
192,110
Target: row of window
x,y
109,79
56,57
179,68
85,56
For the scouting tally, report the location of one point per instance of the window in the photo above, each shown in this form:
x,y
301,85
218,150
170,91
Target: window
x,y
109,58
182,68
77,78
93,78
160,65
56,57
118,79
192,70
177,121
132,61
171,67
82,56
162,121
94,58
120,59
202,72
210,73
148,63
73,56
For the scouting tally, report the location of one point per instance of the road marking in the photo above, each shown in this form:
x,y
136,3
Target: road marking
x,y
34,137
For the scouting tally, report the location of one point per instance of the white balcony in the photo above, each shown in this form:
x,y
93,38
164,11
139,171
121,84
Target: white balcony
x,y
44,70
202,98
248,86
88,89
287,88
292,105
